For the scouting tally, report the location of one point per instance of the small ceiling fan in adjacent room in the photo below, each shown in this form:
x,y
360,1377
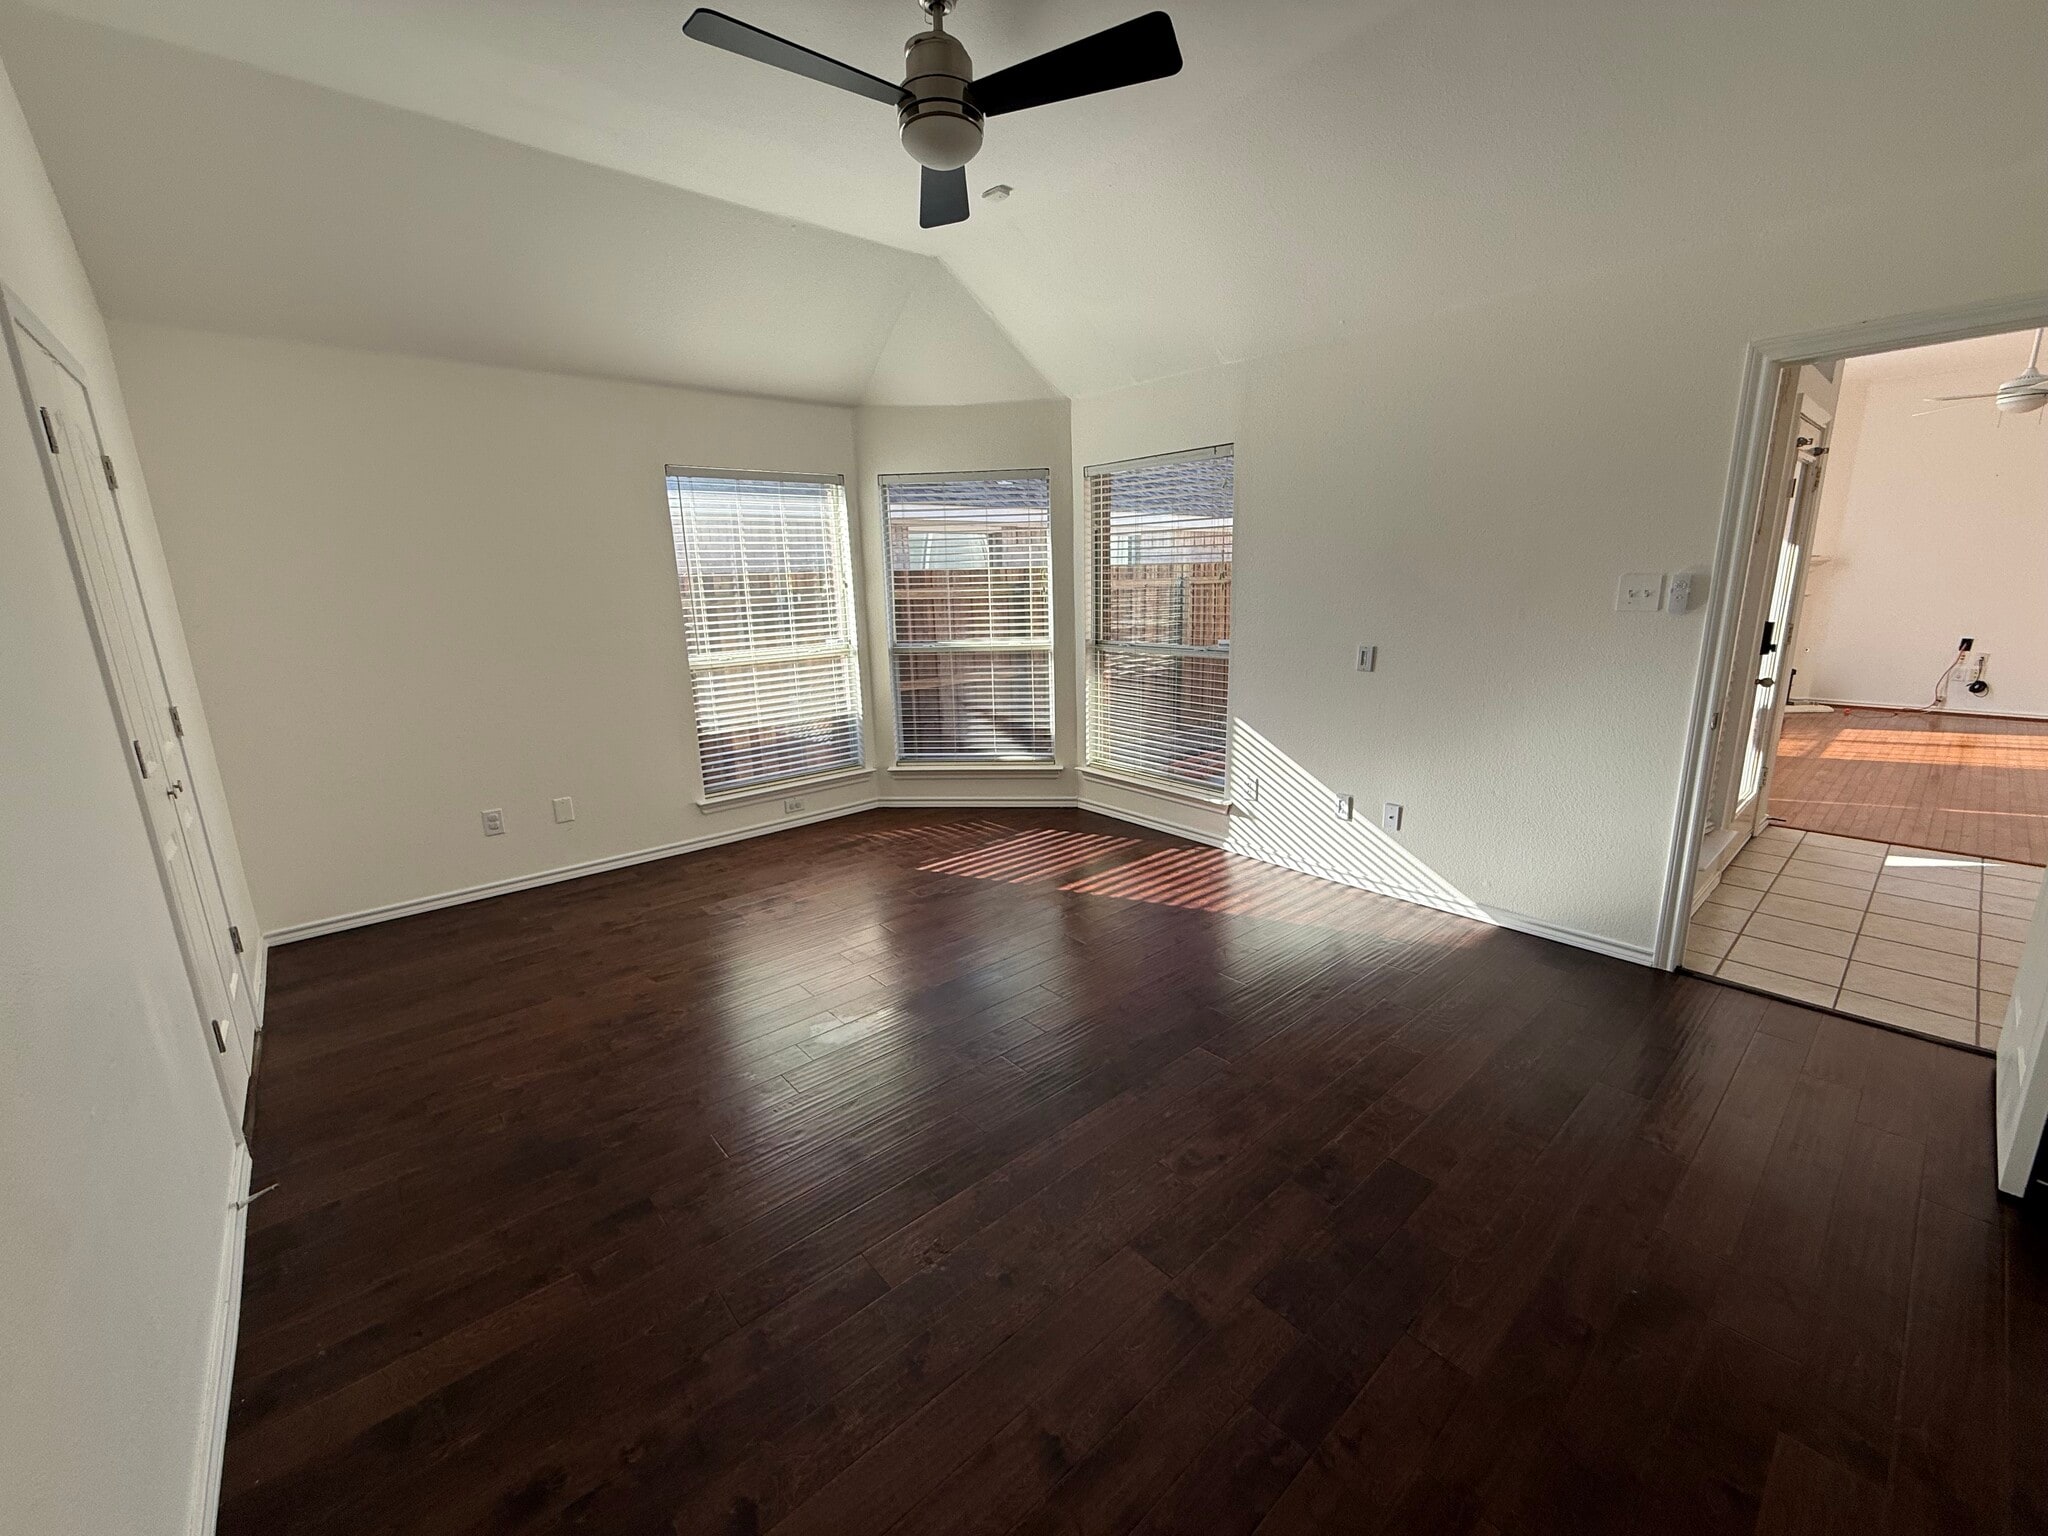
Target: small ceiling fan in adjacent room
x,y
941,106
2024,391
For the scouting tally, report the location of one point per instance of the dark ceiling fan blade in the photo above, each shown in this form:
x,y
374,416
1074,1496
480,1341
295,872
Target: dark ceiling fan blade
x,y
721,31
1130,54
942,198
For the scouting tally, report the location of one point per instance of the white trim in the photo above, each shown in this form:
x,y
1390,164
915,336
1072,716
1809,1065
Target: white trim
x,y
1578,938
1156,823
204,1514
1499,916
397,909
758,792
1165,789
1151,460
1953,712
1738,513
981,802
768,476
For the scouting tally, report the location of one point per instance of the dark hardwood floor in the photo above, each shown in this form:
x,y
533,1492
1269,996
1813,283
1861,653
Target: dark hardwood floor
x,y
1013,1171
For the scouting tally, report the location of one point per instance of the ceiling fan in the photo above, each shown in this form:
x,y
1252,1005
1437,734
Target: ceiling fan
x,y
941,105
2024,391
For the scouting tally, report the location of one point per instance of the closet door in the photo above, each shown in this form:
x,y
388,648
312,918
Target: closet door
x,y
82,479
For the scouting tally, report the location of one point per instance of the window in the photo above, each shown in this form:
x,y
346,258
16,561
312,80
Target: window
x,y
1159,661
767,593
970,616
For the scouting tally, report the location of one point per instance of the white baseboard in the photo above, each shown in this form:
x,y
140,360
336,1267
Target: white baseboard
x,y
220,1382
398,909
978,803
1923,709
1578,938
1500,917
1599,943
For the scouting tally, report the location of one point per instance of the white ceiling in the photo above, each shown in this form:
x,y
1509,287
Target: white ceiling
x,y
1319,167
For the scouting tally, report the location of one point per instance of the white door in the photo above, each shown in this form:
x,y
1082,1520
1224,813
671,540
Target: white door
x,y
1773,642
82,478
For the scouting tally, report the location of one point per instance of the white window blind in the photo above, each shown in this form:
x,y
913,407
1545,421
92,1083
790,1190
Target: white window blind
x,y
970,616
768,615
1159,658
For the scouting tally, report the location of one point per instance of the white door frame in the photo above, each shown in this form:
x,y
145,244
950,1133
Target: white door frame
x,y
1740,505
235,1097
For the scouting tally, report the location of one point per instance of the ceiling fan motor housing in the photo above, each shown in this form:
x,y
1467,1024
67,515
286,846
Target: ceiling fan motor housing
x,y
941,127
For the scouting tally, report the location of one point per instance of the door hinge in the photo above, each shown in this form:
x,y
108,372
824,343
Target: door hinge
x,y
177,723
113,482
220,1042
49,430
141,766
235,937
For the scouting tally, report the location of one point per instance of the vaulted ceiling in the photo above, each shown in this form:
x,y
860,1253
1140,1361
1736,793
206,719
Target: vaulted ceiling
x,y
574,184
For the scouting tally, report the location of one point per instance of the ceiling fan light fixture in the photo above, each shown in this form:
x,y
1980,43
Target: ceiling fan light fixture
x,y
941,127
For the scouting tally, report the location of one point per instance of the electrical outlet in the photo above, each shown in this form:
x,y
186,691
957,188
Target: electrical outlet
x,y
1678,592
1640,592
565,810
494,823
1341,805
1250,788
1390,816
1368,657
791,807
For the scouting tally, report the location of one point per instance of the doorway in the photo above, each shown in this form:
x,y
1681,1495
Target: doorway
x,y
1906,836
85,494
1876,815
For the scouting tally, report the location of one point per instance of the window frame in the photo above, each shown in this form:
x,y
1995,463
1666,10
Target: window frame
x,y
848,593
1048,647
1092,763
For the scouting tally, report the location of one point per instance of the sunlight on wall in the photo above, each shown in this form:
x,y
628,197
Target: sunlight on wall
x,y
1290,823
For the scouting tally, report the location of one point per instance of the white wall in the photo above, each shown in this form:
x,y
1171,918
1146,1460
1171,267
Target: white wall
x,y
1465,494
944,439
1931,527
419,588
116,1157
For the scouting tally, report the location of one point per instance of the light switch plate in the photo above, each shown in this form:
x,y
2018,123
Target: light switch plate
x,y
565,810
1640,592
1368,657
1341,805
1390,816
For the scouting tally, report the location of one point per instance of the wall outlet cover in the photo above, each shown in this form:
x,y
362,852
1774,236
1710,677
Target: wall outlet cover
x,y
791,807
565,810
1678,595
1390,816
494,823
1640,592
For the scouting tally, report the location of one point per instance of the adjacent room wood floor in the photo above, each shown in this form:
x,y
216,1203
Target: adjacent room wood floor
x,y
926,1172
1958,783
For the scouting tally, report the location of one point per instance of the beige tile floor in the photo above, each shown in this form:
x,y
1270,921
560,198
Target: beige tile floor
x,y
1922,940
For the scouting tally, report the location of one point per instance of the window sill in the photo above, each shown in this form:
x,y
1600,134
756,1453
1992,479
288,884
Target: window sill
x,y
775,791
979,765
1166,789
